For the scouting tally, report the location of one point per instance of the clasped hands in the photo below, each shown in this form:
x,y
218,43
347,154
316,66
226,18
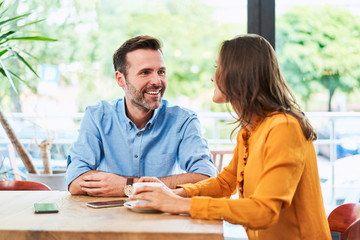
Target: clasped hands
x,y
102,184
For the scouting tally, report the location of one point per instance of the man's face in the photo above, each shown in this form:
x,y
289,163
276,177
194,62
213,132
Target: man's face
x,y
145,82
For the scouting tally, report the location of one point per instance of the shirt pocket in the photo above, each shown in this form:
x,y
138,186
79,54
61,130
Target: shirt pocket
x,y
161,165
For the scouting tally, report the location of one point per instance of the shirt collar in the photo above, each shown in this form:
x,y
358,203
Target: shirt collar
x,y
150,123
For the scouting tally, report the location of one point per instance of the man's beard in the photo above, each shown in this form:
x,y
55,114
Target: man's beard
x,y
138,99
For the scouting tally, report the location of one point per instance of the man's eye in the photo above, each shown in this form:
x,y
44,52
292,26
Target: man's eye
x,y
144,73
162,72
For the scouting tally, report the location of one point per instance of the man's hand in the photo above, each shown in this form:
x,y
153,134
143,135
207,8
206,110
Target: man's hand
x,y
103,184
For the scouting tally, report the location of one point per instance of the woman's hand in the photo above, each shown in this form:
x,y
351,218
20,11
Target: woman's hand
x,y
149,179
162,199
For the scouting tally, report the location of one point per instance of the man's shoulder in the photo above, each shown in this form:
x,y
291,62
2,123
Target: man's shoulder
x,y
177,111
103,107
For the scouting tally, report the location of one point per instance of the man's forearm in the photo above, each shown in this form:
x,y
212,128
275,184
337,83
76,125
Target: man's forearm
x,y
75,187
172,181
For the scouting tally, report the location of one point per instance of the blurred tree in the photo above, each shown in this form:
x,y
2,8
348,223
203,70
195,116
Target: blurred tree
x,y
16,61
319,47
90,31
189,33
13,30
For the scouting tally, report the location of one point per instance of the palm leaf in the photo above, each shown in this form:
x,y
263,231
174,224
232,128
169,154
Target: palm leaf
x,y
24,61
33,38
19,78
30,23
5,40
3,52
6,73
14,18
13,77
8,33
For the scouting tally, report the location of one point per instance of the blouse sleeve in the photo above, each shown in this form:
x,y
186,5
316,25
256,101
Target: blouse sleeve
x,y
224,185
283,164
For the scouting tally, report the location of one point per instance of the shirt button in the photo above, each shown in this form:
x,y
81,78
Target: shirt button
x,y
136,156
138,134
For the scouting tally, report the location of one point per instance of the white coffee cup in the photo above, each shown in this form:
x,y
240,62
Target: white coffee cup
x,y
140,184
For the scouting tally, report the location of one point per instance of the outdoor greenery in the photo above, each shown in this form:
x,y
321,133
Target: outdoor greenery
x,y
314,56
12,31
319,48
3,171
90,31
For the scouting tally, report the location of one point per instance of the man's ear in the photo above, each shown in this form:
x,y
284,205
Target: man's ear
x,y
120,79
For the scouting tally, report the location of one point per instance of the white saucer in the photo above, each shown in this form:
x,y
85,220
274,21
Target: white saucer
x,y
130,205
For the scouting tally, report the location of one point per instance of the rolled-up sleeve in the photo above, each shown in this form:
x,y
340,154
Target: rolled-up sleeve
x,y
85,153
194,153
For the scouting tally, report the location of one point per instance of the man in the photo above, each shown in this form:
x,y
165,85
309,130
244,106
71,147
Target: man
x,y
139,135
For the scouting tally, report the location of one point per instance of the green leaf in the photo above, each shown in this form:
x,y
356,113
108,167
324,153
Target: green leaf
x,y
5,35
3,52
8,76
24,61
14,19
34,38
30,23
19,78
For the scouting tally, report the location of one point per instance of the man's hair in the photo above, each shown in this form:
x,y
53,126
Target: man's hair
x,y
139,42
249,76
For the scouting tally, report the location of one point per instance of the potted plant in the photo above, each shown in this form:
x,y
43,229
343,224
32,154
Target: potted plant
x,y
11,33
52,178
3,171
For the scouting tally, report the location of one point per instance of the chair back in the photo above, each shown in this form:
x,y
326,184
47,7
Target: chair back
x,y
352,232
342,217
218,157
22,186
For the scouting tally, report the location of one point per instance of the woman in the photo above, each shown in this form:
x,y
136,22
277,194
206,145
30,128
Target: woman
x,y
274,165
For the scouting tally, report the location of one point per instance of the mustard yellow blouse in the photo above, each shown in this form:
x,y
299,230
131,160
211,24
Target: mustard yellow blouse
x,y
280,194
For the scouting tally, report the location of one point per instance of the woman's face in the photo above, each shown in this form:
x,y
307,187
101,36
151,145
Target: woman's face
x,y
218,97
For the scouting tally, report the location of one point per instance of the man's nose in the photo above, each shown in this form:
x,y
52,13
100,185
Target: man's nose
x,y
156,79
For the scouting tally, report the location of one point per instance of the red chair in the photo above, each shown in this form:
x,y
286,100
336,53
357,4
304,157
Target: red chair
x,y
343,219
22,186
353,231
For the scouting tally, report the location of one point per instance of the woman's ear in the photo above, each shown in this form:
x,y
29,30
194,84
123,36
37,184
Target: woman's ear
x,y
120,79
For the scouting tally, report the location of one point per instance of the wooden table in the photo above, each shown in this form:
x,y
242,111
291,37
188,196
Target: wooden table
x,y
77,221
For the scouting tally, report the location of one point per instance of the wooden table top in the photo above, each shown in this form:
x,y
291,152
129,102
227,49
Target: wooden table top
x,y
77,221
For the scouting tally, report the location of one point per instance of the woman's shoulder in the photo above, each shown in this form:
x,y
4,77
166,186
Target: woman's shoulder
x,y
280,119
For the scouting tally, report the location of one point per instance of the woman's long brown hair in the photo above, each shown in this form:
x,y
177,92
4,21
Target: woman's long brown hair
x,y
249,76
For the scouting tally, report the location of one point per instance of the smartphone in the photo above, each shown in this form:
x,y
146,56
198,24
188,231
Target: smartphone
x,y
45,208
102,204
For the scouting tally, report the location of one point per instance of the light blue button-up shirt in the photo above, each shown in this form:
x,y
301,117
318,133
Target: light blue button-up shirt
x,y
170,143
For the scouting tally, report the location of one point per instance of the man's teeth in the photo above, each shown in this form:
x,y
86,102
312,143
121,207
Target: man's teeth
x,y
154,93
